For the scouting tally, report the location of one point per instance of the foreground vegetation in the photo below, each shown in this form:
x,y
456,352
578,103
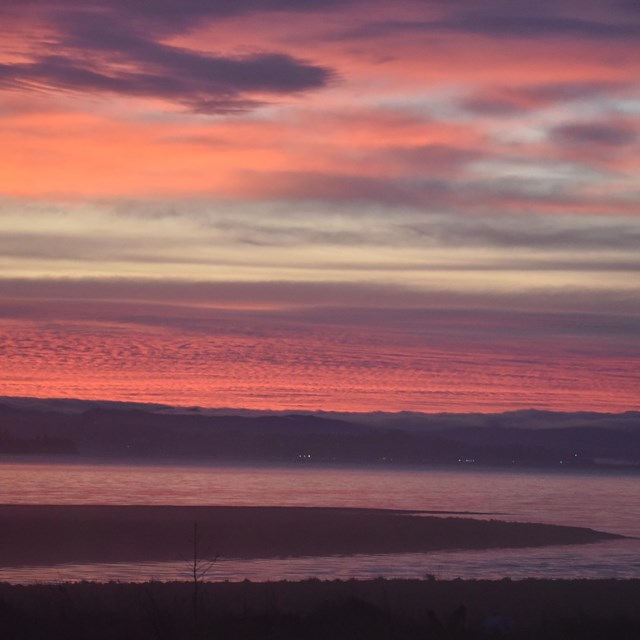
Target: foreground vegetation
x,y
385,609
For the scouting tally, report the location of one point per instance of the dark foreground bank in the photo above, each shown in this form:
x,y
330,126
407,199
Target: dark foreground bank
x,y
49,535
385,609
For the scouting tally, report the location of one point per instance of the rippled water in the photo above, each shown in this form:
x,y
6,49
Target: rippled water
x,y
604,501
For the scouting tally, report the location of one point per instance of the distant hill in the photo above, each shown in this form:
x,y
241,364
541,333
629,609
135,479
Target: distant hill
x,y
121,430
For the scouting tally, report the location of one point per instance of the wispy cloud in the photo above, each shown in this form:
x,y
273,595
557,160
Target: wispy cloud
x,y
600,134
474,356
514,101
99,47
608,20
321,203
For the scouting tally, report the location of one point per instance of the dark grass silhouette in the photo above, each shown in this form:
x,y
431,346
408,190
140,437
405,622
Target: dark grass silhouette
x,y
353,610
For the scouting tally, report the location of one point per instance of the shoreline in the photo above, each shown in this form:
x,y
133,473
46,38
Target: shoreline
x,y
56,534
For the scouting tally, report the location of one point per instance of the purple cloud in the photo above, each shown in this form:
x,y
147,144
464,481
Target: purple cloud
x,y
518,19
164,15
506,101
102,51
601,134
528,26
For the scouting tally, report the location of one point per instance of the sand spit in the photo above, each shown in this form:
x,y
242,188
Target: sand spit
x,y
46,535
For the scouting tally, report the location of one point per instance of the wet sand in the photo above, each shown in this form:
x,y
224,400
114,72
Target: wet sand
x,y
48,535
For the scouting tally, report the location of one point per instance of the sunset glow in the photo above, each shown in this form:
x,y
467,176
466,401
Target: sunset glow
x,y
340,205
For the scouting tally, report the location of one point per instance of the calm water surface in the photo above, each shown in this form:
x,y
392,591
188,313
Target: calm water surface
x,y
604,501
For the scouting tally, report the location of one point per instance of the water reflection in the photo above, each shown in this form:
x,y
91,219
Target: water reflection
x,y
618,559
607,502
601,501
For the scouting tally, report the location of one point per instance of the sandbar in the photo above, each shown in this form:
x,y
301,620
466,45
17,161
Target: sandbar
x,y
55,534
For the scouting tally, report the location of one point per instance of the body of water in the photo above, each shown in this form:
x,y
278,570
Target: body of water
x,y
604,501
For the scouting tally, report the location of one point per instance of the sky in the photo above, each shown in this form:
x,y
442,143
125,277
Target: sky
x,y
341,205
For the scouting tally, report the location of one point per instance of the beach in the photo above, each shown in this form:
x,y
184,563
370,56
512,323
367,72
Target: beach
x,y
50,534
44,535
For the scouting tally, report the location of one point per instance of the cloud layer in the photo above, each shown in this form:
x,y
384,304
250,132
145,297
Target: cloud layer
x,y
104,49
332,205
